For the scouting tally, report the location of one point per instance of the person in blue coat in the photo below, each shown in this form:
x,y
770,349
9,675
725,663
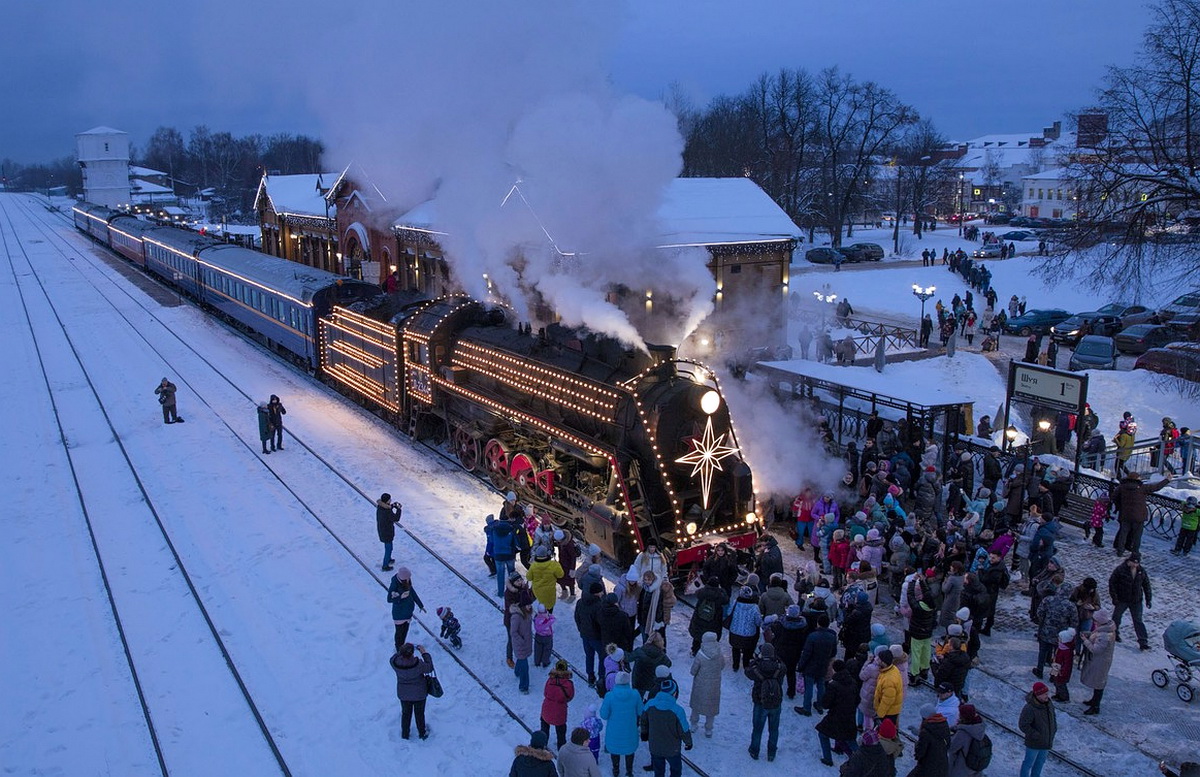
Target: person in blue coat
x,y
504,551
488,559
621,708
404,601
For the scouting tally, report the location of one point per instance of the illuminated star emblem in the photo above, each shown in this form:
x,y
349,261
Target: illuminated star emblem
x,y
706,455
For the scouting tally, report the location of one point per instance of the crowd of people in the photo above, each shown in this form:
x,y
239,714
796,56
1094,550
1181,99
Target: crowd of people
x,y
911,533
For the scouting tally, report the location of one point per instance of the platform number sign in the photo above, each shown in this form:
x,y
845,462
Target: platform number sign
x,y
1057,389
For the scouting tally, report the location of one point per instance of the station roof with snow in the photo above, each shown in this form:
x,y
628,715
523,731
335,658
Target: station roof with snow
x,y
693,212
301,195
865,380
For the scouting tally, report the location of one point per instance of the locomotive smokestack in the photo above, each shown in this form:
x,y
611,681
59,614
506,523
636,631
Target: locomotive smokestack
x,y
663,355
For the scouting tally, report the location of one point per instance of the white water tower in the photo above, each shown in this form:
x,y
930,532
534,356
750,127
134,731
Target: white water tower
x,y
103,156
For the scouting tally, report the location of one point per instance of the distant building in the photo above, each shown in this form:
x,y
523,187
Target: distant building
x,y
992,167
103,156
1049,195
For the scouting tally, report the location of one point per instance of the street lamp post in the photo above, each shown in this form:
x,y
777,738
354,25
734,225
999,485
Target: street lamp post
x,y
923,293
960,205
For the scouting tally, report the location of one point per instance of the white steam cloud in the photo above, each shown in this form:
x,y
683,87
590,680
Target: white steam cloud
x,y
460,102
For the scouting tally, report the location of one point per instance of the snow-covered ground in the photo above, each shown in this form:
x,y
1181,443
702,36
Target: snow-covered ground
x,y
283,555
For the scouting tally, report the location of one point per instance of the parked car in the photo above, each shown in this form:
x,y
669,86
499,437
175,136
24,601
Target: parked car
x,y
1018,234
1071,330
1186,326
1094,352
1036,322
826,255
1186,303
869,252
1140,338
987,251
1020,221
998,218
1129,314
1171,361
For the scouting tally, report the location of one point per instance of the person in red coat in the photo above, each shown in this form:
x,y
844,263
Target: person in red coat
x,y
802,508
839,557
556,695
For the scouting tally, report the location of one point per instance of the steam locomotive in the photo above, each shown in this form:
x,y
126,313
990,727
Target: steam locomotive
x,y
623,446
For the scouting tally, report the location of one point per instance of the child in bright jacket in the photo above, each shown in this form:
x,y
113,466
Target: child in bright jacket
x,y
839,557
543,635
1189,520
1095,524
1064,658
594,726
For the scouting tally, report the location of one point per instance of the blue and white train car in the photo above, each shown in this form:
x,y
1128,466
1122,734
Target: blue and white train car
x,y
171,255
126,235
278,299
93,219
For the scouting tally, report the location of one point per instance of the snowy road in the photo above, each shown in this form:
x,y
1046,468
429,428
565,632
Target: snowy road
x,y
283,550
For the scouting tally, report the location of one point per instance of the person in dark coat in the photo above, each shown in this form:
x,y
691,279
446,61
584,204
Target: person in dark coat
x,y
264,426
712,593
870,760
166,399
788,640
1129,498
387,515
276,411
645,662
534,760
1039,725
1129,587
411,688
856,624
932,751
586,610
819,650
615,628
766,672
721,564
840,702
404,601
768,560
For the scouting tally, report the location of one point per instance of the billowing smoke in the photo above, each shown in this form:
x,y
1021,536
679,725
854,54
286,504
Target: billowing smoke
x,y
779,443
462,102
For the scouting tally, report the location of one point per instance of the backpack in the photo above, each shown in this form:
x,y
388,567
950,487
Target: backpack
x,y
706,611
770,693
979,754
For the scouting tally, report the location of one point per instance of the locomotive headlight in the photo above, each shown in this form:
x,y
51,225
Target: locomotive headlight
x,y
691,528
751,517
710,402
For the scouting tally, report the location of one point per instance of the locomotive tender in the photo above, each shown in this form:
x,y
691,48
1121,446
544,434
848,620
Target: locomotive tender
x,y
624,447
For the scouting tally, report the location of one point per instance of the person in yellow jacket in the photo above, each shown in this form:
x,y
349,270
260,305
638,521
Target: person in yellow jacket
x,y
889,689
543,577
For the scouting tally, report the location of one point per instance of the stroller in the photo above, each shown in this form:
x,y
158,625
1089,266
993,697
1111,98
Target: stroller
x,y
1182,641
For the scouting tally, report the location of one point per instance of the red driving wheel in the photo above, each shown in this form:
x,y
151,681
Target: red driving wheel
x,y
466,447
522,472
495,459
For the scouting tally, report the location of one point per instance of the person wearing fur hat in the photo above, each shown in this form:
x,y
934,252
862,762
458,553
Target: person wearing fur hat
x,y
745,621
533,760
766,671
971,729
707,668
543,577
556,695
404,600
1039,726
1098,644
620,711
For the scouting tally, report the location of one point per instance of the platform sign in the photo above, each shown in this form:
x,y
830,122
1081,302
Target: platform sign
x,y
1036,385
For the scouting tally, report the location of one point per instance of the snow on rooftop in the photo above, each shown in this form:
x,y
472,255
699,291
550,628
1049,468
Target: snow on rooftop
x,y
138,186
919,386
713,211
136,170
302,194
104,131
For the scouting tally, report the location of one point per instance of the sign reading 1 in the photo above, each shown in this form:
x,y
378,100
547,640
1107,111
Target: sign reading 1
x,y
1048,387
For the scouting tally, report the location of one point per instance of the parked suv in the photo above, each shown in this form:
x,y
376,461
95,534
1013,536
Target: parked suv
x,y
1187,303
1094,353
866,252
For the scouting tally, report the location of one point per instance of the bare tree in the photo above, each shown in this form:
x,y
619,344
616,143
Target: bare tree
x,y
1142,171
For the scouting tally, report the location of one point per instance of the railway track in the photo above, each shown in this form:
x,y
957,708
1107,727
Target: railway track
x,y
139,629
479,598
